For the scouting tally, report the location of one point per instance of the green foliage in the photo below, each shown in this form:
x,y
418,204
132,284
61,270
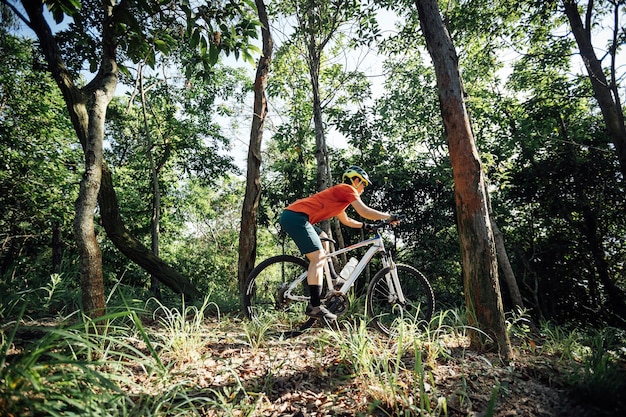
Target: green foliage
x,y
256,332
55,375
206,251
38,181
187,142
600,378
228,28
595,356
60,8
82,369
182,125
564,189
148,30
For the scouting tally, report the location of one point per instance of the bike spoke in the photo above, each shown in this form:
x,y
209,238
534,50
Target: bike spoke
x,y
384,306
266,295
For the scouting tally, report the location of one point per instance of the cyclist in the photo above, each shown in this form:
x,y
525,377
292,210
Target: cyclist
x,y
299,218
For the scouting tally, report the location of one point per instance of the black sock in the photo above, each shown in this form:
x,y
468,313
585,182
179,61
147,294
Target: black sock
x,y
316,292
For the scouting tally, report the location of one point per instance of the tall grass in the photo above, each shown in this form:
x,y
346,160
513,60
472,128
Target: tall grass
x,y
117,366
392,371
55,296
591,359
597,357
57,374
182,338
109,367
257,331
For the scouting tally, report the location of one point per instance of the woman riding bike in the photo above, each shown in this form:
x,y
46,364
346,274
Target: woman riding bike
x,y
299,218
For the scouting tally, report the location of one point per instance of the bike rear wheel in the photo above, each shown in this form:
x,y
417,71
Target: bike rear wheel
x,y
264,297
384,308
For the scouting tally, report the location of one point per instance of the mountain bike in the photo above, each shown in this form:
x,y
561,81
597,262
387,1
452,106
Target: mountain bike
x,y
276,291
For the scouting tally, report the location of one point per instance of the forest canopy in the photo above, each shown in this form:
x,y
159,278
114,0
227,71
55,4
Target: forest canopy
x,y
178,124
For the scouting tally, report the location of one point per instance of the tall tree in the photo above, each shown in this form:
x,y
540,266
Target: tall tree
x,y
319,25
87,111
155,217
480,58
480,273
605,91
249,211
121,24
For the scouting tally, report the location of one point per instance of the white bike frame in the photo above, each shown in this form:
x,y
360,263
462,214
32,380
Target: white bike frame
x,y
377,245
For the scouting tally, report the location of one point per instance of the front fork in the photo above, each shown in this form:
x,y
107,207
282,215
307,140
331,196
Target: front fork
x,y
393,281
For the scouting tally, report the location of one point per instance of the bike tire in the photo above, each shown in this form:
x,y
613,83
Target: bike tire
x,y
385,312
264,302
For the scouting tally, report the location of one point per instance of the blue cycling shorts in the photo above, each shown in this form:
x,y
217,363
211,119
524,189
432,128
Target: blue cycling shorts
x,y
304,234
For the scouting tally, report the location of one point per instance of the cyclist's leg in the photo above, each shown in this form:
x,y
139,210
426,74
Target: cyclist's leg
x,y
306,237
322,234
315,275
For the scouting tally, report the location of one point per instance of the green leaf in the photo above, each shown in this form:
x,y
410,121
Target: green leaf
x,y
162,46
61,7
58,15
195,38
214,54
203,45
151,59
124,70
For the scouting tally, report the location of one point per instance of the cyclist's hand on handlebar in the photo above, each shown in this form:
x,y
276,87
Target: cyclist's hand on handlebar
x,y
367,227
394,219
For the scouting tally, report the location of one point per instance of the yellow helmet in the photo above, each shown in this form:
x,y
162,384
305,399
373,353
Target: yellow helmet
x,y
355,171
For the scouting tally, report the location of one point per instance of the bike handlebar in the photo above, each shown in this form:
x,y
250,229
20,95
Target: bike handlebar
x,y
373,227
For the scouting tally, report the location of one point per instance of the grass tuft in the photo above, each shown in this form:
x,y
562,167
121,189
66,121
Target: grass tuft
x,y
182,339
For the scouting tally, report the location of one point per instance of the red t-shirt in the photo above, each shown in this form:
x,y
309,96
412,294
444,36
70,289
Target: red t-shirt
x,y
327,203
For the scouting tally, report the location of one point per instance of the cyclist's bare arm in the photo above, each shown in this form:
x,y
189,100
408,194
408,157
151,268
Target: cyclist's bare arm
x,y
347,221
368,212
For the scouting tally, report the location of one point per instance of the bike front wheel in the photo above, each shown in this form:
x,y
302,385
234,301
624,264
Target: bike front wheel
x,y
266,298
384,306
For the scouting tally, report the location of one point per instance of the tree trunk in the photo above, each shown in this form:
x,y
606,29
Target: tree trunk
x,y
321,148
91,281
76,101
155,219
87,109
614,295
480,272
505,266
247,234
57,248
503,262
609,104
133,248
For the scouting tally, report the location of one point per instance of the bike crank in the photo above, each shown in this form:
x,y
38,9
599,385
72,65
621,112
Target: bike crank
x,y
337,303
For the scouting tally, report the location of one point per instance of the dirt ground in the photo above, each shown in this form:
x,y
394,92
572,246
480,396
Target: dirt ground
x,y
302,377
297,377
